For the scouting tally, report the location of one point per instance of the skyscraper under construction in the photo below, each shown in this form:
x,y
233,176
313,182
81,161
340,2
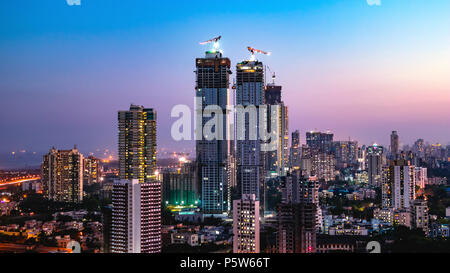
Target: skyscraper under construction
x,y
249,157
213,154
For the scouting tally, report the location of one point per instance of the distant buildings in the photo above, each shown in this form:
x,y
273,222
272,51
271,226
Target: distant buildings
x,y
421,177
375,163
419,215
346,153
401,184
295,151
394,148
246,224
320,142
92,170
62,175
323,166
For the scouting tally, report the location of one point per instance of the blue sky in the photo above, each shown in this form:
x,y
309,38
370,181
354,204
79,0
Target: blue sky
x,y
359,70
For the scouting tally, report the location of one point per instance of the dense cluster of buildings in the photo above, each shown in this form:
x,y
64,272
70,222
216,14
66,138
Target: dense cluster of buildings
x,y
52,230
228,178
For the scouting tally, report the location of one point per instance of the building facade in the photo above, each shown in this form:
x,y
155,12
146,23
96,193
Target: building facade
x,y
319,142
401,184
249,157
212,90
295,151
374,157
246,224
137,143
180,185
62,175
277,162
136,217
323,166
92,170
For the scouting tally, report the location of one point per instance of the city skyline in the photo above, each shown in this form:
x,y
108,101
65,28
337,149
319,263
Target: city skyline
x,y
292,129
92,68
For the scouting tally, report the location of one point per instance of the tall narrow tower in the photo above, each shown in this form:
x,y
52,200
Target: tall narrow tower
x,y
137,143
137,196
212,89
277,161
294,153
249,157
375,164
394,145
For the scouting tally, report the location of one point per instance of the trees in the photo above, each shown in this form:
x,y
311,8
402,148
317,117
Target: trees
x,y
414,241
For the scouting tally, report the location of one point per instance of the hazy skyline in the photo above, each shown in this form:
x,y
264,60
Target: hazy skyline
x,y
356,69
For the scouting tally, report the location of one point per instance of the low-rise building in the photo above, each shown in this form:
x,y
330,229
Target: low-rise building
x,y
191,239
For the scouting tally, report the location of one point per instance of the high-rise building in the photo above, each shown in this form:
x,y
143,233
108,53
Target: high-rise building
x,y
319,142
419,148
249,157
92,170
297,215
394,149
362,158
62,175
419,215
246,224
374,157
212,89
323,166
277,161
401,184
306,161
309,194
448,153
137,173
346,153
136,217
296,231
137,143
294,153
421,177
180,185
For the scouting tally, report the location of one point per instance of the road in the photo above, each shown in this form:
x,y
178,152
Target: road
x,y
18,181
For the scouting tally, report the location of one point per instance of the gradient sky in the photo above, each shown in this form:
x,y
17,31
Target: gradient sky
x,y
358,70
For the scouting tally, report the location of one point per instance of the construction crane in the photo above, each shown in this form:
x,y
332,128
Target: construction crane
x,y
273,74
254,50
215,42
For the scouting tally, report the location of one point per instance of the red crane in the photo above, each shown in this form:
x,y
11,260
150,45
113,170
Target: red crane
x,y
254,50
